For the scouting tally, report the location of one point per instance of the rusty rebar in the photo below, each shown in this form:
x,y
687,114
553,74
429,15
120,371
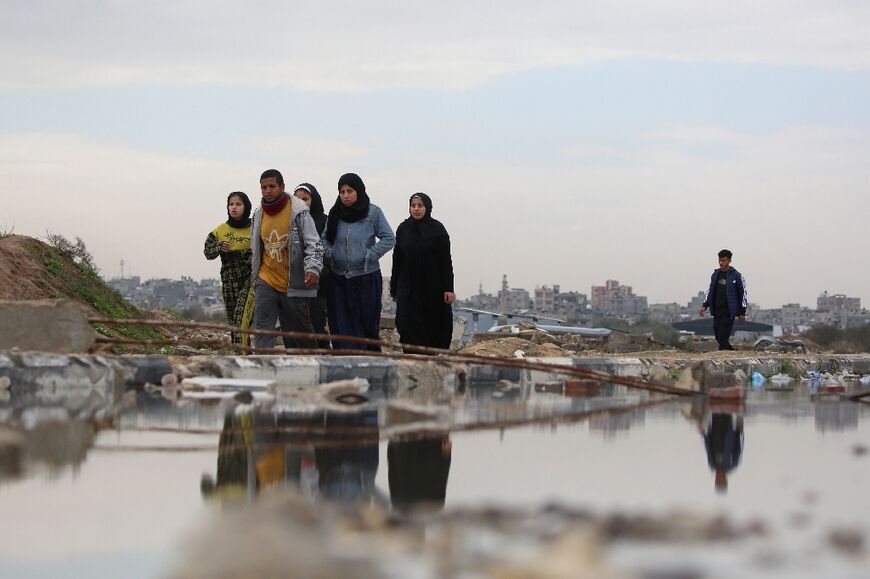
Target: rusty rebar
x,y
518,363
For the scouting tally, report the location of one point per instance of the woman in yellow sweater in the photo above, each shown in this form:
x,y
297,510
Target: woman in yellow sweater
x,y
231,241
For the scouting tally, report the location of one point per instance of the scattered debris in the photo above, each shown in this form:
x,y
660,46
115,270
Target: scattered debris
x,y
781,379
848,541
771,344
506,347
829,380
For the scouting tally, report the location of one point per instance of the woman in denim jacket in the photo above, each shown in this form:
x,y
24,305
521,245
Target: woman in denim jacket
x,y
357,235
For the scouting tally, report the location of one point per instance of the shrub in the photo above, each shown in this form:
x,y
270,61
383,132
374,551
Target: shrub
x,y
77,252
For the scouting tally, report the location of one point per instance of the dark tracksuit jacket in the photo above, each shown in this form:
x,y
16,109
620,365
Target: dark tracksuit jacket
x,y
735,292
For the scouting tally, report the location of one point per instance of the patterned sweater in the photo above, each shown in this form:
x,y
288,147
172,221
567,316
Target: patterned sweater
x,y
235,263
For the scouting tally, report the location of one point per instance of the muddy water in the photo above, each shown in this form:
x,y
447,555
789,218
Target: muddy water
x,y
795,467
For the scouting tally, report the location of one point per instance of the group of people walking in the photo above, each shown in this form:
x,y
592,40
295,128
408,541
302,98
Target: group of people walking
x,y
289,262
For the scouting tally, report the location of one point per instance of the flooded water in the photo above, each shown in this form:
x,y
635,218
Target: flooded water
x,y
790,464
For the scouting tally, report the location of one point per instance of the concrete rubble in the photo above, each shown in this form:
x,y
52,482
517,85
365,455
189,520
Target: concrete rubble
x,y
47,326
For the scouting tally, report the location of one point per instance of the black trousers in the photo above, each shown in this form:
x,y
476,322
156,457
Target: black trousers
x,y
723,324
354,308
317,308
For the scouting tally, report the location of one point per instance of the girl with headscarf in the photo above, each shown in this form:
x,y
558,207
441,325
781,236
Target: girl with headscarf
x,y
357,235
317,306
231,241
422,279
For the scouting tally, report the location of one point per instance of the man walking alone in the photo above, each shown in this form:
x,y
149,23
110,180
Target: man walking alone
x,y
726,299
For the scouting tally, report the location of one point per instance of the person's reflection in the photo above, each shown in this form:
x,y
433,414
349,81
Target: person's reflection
x,y
266,450
418,471
724,442
234,457
347,461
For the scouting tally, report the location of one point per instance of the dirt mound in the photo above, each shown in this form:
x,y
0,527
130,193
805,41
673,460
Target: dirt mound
x,y
23,270
507,347
33,270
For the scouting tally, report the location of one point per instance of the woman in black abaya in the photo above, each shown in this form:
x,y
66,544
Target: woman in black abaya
x,y
422,278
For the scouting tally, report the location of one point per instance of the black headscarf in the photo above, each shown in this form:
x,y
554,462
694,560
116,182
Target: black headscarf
x,y
316,209
426,227
349,214
245,221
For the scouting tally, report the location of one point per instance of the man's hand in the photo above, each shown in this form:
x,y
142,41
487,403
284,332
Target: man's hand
x,y
224,246
741,318
311,279
449,297
701,312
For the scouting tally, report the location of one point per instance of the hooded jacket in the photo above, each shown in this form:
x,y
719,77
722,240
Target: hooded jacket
x,y
304,249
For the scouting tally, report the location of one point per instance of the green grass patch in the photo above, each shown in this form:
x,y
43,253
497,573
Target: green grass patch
x,y
84,285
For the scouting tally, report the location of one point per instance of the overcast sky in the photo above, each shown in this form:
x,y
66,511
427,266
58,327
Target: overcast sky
x,y
561,142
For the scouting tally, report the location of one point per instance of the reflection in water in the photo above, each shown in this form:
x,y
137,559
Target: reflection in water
x,y
616,424
836,415
418,471
329,454
332,456
55,445
347,473
724,442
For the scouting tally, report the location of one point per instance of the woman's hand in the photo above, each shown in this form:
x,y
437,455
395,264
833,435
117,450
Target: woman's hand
x,y
449,297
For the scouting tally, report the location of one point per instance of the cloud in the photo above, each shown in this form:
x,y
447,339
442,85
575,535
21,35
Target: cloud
x,y
308,152
153,210
789,203
352,46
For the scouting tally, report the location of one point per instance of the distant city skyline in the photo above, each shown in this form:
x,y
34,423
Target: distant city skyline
x,y
494,292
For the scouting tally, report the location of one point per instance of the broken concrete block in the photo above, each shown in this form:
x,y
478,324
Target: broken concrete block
x,y
660,375
691,377
45,326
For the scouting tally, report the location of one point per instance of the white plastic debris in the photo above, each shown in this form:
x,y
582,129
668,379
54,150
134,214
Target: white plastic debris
x,y
828,379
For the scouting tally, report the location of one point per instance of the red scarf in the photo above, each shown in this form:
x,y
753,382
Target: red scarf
x,y
275,206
